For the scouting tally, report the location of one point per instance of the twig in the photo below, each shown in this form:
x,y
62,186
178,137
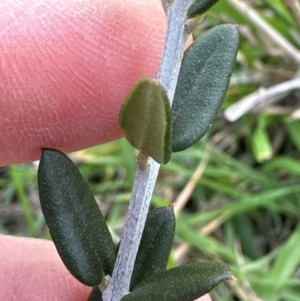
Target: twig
x,y
294,7
260,98
246,78
243,289
244,105
185,194
244,8
176,37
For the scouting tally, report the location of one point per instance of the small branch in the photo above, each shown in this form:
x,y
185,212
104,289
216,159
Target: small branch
x,y
137,212
145,179
244,8
176,37
294,8
244,105
260,98
185,194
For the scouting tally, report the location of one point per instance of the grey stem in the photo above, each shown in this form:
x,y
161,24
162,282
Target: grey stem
x,y
176,37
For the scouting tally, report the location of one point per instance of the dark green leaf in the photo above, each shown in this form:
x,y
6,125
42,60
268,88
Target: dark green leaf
x,y
145,119
156,244
199,7
187,283
76,224
95,294
202,84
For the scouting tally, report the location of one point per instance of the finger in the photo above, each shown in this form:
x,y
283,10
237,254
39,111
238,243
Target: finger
x,y
66,66
30,269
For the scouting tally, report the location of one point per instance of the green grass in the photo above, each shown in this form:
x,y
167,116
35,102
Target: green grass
x,y
245,208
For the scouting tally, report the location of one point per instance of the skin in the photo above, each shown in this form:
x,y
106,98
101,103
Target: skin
x,y
65,69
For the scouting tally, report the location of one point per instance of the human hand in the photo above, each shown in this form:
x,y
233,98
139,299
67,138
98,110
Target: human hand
x,y
66,67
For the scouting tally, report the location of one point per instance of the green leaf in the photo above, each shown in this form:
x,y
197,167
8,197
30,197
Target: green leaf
x,y
199,7
155,245
287,259
145,119
293,129
202,84
95,294
76,224
187,283
261,145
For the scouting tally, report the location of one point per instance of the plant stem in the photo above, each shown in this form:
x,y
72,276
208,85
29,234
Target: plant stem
x,y
176,37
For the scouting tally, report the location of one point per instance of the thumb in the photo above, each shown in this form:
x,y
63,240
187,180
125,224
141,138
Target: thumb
x,y
66,67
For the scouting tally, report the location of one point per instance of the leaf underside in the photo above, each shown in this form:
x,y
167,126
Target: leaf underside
x,y
202,84
76,224
145,119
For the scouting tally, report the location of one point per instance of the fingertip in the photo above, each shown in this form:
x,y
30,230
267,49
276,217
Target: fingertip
x,y
66,69
30,269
